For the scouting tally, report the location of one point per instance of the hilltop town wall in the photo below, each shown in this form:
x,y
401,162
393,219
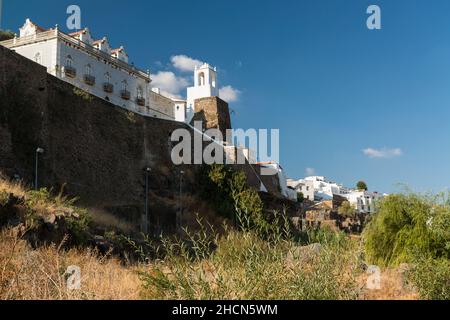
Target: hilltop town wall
x,y
93,149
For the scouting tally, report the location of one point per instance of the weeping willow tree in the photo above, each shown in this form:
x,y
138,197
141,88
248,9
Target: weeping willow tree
x,y
408,226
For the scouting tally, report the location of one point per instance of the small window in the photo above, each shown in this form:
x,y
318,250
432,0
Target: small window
x,y
107,77
140,92
124,85
69,61
88,70
38,58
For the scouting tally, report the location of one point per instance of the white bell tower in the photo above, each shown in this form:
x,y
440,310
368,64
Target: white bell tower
x,y
205,85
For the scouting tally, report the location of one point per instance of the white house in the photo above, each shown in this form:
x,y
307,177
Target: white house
x,y
306,187
318,188
278,170
91,65
324,189
363,201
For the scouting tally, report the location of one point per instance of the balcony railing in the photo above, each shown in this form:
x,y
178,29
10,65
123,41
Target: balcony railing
x,y
140,101
125,94
70,72
108,87
89,80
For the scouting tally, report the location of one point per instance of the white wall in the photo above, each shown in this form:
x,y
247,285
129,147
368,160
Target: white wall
x,y
363,201
47,51
180,111
303,186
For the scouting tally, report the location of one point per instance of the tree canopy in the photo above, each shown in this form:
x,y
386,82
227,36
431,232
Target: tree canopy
x,y
361,185
6,35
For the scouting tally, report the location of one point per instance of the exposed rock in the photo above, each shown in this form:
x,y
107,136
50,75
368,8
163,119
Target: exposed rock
x,y
49,219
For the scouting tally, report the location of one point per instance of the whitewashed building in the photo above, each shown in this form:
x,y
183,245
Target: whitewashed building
x,y
91,65
318,188
303,186
278,170
363,201
324,189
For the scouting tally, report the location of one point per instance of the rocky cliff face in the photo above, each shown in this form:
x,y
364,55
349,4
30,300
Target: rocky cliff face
x,y
95,150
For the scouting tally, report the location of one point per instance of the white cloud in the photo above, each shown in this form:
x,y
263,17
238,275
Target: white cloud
x,y
229,94
185,63
169,83
383,153
310,171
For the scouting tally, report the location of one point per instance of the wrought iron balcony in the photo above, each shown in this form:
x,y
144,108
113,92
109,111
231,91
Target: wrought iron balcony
x,y
125,94
140,101
70,72
108,87
89,80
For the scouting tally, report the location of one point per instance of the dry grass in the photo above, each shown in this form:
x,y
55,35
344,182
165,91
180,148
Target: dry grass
x,y
16,188
41,201
107,220
27,274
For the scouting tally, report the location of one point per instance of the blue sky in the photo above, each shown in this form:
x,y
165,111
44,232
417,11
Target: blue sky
x,y
310,68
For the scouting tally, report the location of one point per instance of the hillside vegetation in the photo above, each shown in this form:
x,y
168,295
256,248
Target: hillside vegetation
x,y
414,229
248,260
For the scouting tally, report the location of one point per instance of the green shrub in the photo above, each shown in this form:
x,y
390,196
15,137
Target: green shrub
x,y
4,196
83,94
228,191
79,227
431,277
407,224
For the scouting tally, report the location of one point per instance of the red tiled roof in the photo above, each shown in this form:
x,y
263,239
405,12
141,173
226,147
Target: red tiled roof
x,y
78,32
118,50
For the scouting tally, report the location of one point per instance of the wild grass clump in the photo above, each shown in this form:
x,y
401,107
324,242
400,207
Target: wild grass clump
x,y
242,265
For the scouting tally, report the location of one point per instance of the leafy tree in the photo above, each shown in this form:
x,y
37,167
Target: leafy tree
x,y
300,197
346,210
227,189
407,226
361,185
6,35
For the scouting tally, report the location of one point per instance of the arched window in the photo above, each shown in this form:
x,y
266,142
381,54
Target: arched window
x,y
140,92
201,79
124,85
38,58
213,80
88,70
69,61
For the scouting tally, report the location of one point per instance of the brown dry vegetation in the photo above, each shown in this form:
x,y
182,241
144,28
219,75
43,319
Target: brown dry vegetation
x,y
241,267
40,274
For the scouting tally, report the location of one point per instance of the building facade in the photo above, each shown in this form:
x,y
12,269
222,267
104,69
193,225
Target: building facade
x,y
319,189
91,65
303,186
